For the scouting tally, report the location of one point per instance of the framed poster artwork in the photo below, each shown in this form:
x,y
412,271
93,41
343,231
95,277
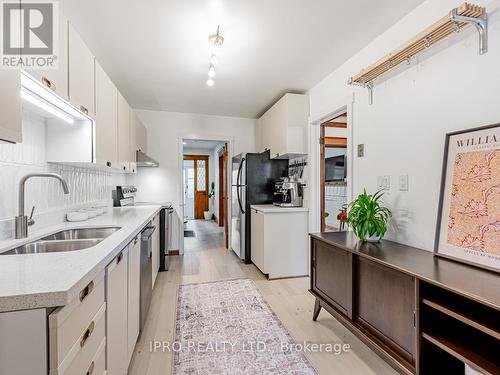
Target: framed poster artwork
x,y
468,225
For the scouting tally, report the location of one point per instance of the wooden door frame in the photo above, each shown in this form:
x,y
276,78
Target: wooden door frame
x,y
324,143
195,158
223,193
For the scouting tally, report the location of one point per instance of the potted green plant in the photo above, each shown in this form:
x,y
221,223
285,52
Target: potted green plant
x,y
368,217
211,194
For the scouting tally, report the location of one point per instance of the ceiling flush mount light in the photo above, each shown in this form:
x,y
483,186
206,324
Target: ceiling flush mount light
x,y
216,41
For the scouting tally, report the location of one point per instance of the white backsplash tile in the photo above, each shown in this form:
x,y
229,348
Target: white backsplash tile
x,y
87,186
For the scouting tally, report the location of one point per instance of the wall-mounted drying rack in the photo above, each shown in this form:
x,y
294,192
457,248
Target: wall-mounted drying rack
x,y
458,19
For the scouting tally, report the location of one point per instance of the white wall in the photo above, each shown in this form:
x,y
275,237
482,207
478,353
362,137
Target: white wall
x,y
449,88
165,132
87,186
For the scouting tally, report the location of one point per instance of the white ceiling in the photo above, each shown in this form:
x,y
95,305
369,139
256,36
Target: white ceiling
x,y
157,51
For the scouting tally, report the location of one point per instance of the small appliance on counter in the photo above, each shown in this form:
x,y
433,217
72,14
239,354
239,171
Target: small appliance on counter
x,y
124,196
288,193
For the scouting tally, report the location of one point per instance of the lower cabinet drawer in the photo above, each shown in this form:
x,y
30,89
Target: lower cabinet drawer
x,y
86,349
67,323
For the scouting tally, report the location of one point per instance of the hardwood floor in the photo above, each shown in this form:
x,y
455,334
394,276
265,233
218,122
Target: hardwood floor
x,y
288,298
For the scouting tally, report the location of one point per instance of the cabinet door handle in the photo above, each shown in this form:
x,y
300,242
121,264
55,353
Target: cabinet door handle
x,y
84,110
119,258
86,291
124,168
90,371
48,83
86,335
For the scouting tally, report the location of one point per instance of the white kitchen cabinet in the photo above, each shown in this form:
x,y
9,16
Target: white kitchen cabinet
x,y
123,133
133,140
116,328
141,137
106,95
133,306
283,128
156,249
57,79
80,73
23,342
257,240
279,240
10,115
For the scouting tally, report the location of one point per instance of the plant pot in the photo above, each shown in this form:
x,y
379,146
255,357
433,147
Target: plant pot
x,y
208,215
373,239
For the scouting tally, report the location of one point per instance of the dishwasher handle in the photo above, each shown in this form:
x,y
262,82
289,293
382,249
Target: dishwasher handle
x,y
147,232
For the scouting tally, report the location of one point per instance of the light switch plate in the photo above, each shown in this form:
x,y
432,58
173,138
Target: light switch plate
x,y
361,150
403,182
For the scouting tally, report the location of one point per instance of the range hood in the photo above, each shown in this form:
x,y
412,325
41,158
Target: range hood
x,y
144,160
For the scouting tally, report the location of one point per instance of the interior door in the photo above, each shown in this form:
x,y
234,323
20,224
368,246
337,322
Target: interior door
x,y
201,184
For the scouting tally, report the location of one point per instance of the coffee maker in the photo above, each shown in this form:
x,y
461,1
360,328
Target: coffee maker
x,y
288,193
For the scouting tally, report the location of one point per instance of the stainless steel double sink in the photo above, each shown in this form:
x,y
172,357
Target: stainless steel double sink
x,y
65,240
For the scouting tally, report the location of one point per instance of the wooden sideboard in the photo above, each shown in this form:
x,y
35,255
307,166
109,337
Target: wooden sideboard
x,y
421,313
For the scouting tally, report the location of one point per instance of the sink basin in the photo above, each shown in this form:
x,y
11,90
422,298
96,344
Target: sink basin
x,y
81,234
65,240
53,246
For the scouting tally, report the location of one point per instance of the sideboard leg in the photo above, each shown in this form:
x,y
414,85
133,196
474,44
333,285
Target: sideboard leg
x,y
317,309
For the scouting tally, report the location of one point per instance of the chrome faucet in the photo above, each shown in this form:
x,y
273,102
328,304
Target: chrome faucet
x,y
22,221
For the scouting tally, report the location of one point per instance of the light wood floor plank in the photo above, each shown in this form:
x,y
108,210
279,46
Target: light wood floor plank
x,y
205,260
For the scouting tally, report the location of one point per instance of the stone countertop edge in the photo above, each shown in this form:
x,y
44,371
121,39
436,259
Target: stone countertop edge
x,y
16,300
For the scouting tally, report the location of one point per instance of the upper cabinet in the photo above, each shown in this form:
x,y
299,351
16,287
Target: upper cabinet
x,y
106,119
10,115
142,137
283,128
57,79
133,141
81,73
124,157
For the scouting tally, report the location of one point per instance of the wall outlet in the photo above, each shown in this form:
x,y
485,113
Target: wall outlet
x,y
383,182
403,182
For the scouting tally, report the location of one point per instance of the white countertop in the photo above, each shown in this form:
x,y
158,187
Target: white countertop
x,y
30,281
268,208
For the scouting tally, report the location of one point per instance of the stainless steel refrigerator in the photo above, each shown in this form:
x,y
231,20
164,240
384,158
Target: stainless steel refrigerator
x,y
253,178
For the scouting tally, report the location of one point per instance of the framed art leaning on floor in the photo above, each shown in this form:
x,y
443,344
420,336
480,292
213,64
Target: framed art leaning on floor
x,y
468,225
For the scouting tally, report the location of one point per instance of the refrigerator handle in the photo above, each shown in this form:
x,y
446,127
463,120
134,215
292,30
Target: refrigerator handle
x,y
238,185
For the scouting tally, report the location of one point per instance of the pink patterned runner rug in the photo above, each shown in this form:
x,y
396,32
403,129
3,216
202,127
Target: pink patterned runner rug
x,y
226,327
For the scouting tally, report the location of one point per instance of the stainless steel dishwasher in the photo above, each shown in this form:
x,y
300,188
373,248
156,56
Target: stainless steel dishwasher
x,y
146,271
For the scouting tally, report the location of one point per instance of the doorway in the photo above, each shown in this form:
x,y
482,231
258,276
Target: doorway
x,y
199,192
333,158
205,193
